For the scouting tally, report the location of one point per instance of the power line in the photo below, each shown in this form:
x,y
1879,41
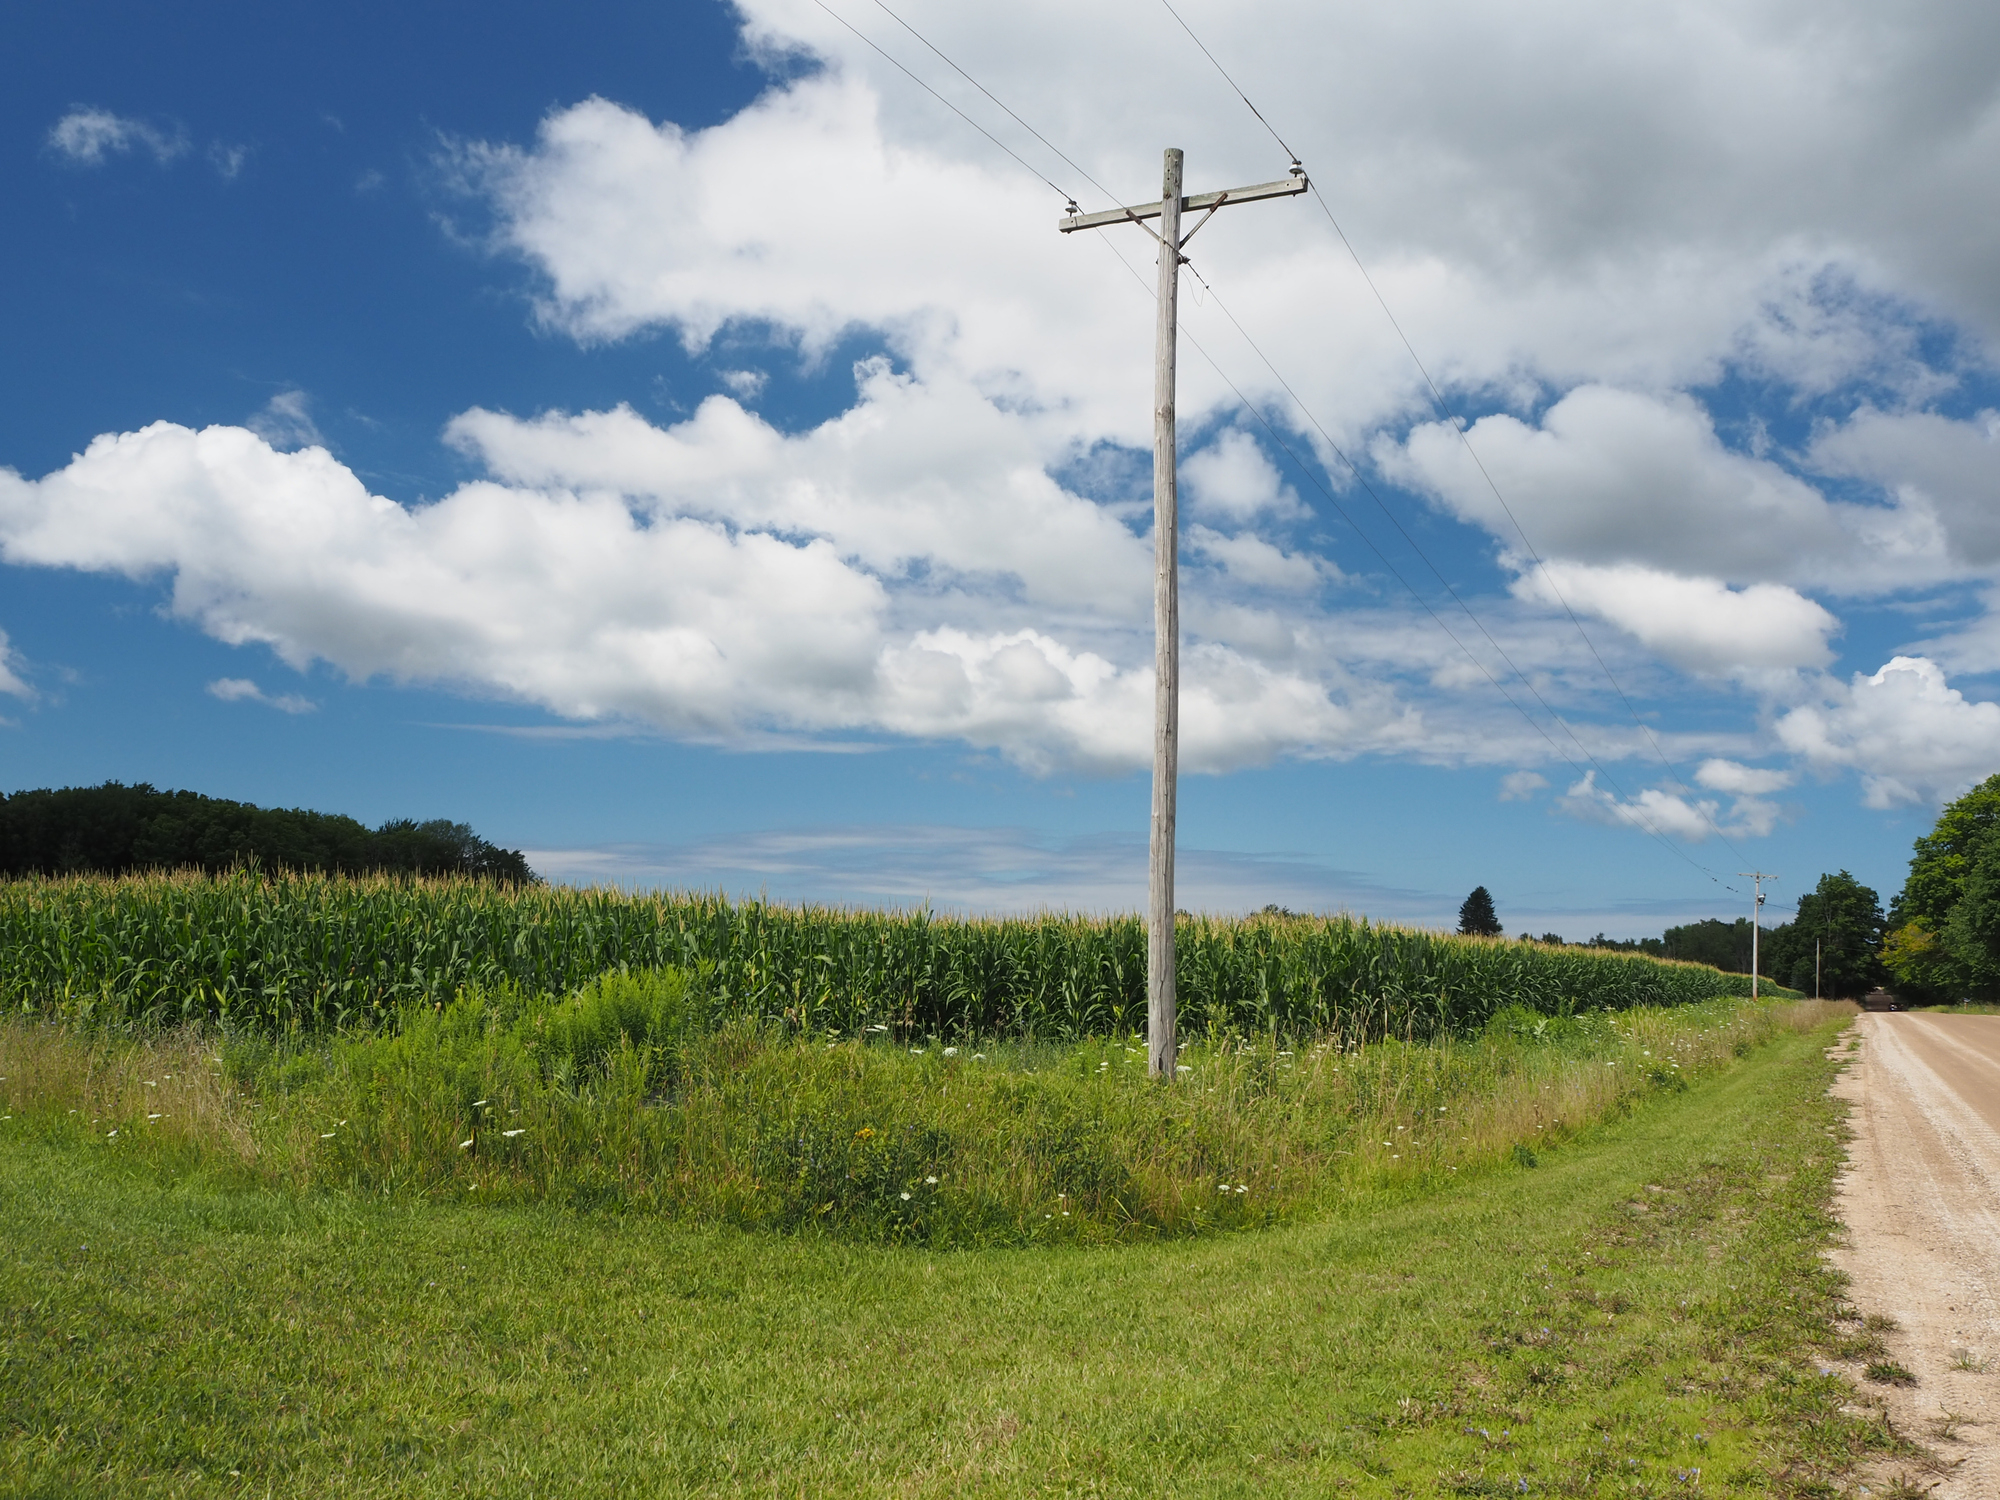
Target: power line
x,y
997,101
1457,425
1630,808
1359,478
1232,83
1453,421
1069,198
1278,438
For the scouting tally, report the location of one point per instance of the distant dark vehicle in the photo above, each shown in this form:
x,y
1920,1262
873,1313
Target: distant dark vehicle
x,y
1880,1000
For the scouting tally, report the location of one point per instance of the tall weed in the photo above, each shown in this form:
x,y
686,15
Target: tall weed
x,y
622,1096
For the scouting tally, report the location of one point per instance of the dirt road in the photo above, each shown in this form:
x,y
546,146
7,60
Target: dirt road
x,y
1921,1200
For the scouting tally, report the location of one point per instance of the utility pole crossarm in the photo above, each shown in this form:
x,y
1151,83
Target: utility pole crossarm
x,y
1285,187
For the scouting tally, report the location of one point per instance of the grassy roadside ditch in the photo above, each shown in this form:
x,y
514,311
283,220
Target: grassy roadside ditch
x,y
1642,1312
617,1098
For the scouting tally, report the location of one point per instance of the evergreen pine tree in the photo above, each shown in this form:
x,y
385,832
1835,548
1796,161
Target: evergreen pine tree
x,y
1476,918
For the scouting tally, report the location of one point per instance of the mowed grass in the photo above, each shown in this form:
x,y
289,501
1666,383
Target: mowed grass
x,y
1640,1313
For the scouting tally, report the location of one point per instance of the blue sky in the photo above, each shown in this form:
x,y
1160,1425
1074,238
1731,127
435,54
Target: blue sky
x,y
668,439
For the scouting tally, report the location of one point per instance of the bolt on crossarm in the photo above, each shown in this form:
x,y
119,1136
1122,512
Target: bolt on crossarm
x,y
1160,999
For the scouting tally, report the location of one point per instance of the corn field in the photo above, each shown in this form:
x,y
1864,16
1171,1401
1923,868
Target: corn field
x,y
309,952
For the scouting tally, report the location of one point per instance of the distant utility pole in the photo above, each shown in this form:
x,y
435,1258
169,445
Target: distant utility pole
x,y
1160,1012
1756,910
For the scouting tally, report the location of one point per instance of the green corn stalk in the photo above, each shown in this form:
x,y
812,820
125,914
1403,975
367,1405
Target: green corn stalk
x,y
313,952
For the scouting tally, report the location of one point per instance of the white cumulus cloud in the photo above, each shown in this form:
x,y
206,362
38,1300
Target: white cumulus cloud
x,y
1722,775
1614,477
1911,735
1939,469
1586,222
1233,480
594,607
1698,624
1673,814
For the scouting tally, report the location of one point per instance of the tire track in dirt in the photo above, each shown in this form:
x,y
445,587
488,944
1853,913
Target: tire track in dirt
x,y
1921,1201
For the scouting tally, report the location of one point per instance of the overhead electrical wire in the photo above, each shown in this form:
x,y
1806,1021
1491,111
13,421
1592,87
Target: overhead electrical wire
x,y
1629,807
996,100
1067,197
1361,479
1233,84
1457,425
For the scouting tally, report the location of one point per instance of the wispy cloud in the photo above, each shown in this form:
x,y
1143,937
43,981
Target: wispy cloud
x,y
227,160
243,690
11,681
983,869
286,422
87,136
999,871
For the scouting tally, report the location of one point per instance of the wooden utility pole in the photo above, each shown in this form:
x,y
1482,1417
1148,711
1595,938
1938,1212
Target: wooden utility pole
x,y
1756,911
1160,1004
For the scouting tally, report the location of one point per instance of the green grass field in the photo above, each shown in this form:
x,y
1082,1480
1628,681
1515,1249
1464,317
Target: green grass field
x,y
1642,1312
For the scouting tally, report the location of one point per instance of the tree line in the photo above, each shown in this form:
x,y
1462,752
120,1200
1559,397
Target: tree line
x,y
1938,942
114,828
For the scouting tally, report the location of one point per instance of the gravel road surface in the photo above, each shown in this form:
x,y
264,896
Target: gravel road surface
x,y
1921,1201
